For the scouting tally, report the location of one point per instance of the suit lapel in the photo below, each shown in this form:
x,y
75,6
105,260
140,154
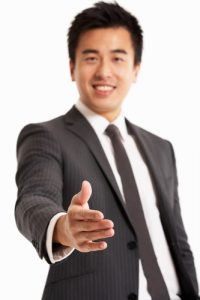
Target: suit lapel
x,y
147,149
77,124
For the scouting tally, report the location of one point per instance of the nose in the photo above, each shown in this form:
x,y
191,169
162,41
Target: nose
x,y
104,70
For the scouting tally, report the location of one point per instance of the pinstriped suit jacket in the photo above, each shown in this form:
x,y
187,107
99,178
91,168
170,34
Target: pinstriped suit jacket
x,y
53,159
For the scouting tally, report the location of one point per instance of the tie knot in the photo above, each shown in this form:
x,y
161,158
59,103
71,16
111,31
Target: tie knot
x,y
113,131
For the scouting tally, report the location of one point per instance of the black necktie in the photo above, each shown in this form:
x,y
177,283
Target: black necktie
x,y
155,282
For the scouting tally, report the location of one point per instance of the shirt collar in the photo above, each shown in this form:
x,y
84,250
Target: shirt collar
x,y
121,124
99,123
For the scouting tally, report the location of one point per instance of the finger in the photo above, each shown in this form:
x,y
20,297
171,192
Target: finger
x,y
84,195
86,214
94,235
94,225
93,246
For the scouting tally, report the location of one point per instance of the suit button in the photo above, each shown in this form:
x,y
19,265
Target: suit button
x,y
132,245
132,296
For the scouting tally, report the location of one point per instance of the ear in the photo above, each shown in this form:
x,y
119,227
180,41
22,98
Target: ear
x,y
72,67
135,72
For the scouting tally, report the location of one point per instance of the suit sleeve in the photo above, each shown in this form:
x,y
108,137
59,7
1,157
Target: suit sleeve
x,y
39,179
184,246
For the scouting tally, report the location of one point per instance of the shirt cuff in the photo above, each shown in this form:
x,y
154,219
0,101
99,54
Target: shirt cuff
x,y
60,252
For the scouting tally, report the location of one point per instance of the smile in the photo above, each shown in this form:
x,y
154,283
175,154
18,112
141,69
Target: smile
x,y
104,88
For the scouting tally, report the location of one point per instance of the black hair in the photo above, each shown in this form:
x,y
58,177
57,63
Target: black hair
x,y
105,15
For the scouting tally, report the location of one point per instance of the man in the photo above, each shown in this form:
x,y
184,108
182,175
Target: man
x,y
100,201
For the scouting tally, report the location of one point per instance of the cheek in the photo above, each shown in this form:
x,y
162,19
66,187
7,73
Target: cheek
x,y
125,74
83,83
84,77
127,80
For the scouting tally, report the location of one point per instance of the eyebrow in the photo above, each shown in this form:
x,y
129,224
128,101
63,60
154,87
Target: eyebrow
x,y
94,51
122,51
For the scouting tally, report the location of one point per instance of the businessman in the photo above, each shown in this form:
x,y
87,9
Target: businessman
x,y
97,195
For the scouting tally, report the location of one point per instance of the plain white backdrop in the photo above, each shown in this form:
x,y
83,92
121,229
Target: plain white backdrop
x,y
36,86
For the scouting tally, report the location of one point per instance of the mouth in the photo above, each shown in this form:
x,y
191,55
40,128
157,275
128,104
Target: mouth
x,y
103,89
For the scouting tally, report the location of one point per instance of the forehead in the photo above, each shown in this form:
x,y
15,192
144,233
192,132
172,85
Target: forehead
x,y
105,39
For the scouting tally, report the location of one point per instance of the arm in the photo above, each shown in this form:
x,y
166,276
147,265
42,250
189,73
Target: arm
x,y
181,233
40,183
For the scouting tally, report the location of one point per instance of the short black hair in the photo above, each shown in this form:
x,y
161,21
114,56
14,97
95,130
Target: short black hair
x,y
105,15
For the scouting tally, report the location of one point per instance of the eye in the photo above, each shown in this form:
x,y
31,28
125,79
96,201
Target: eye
x,y
91,59
118,59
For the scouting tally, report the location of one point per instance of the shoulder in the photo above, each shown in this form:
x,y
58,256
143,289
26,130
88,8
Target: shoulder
x,y
156,144
45,125
55,126
43,135
49,127
139,131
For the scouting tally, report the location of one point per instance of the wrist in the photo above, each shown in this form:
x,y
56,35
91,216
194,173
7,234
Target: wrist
x,y
59,234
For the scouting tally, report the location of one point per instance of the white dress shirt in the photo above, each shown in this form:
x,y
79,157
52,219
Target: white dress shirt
x,y
147,196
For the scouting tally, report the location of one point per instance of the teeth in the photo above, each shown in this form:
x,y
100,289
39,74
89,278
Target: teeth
x,y
104,88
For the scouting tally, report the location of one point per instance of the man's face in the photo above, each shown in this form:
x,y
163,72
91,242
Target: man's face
x,y
104,69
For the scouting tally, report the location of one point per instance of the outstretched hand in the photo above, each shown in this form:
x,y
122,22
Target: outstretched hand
x,y
82,227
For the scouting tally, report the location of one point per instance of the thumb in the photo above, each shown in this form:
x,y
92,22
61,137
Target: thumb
x,y
84,195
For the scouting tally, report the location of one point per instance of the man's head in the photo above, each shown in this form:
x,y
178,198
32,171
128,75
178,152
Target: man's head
x,y
105,48
105,15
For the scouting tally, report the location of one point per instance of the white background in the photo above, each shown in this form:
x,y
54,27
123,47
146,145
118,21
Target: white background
x,y
35,86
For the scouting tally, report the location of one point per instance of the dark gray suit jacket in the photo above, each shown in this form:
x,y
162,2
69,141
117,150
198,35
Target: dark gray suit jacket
x,y
53,160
